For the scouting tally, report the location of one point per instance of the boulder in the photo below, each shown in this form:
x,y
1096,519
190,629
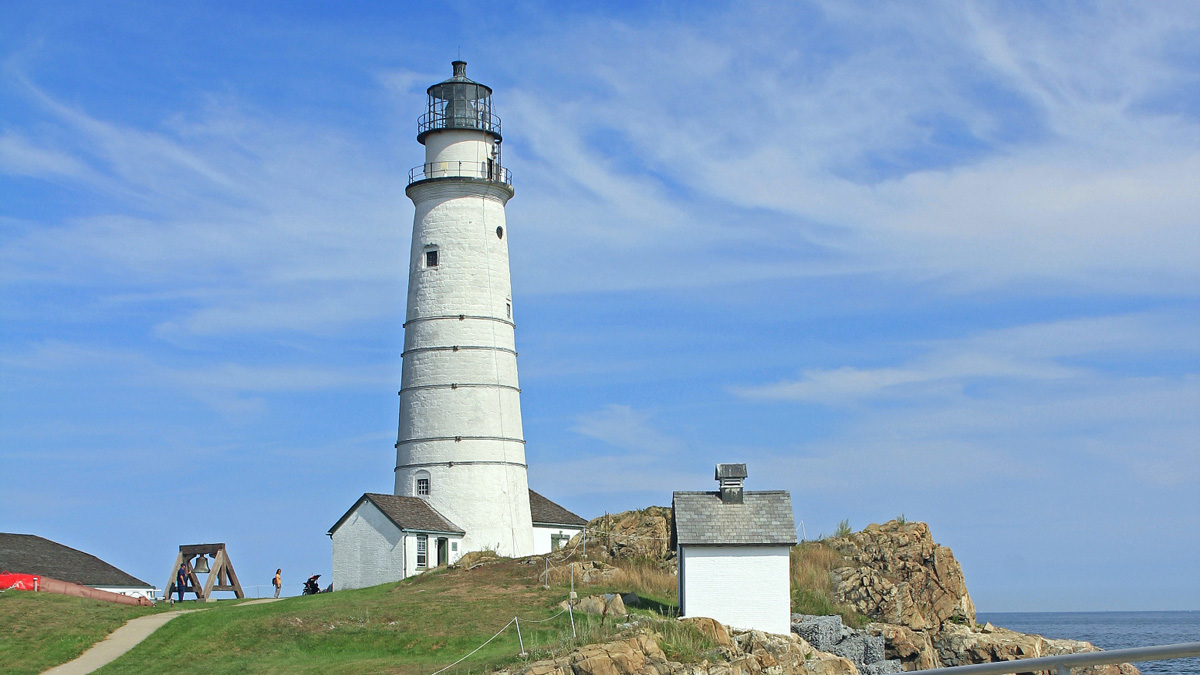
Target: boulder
x,y
899,575
714,630
912,648
608,604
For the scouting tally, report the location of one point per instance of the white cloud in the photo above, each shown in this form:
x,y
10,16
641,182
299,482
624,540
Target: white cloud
x,y
623,427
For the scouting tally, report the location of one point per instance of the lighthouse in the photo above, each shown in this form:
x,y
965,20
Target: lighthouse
x,y
460,480
460,444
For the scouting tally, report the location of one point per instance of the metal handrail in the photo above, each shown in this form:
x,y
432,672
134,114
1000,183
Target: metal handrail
x,y
1063,663
489,171
481,120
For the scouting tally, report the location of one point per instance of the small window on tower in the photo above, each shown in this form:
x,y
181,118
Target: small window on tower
x,y
431,258
422,486
508,307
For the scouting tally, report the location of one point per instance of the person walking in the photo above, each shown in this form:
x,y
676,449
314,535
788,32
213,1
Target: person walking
x,y
277,582
181,579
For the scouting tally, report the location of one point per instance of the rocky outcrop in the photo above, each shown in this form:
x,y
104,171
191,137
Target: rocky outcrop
x,y
962,645
828,634
643,534
745,653
912,648
900,575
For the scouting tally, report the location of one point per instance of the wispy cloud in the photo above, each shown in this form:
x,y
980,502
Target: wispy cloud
x,y
623,427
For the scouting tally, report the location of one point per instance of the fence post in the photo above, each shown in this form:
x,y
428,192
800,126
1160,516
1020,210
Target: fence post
x,y
571,602
519,638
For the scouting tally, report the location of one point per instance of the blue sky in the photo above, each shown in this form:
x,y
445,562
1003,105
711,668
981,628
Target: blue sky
x,y
939,260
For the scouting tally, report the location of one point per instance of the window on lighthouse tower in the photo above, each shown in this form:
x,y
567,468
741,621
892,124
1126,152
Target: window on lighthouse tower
x,y
421,484
431,258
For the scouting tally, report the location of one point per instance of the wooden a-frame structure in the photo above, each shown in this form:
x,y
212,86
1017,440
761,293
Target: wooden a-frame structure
x,y
221,576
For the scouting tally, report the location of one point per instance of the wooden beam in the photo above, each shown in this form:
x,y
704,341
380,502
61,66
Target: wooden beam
x,y
171,581
193,550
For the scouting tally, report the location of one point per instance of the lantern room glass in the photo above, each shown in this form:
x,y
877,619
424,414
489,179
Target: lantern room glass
x,y
459,103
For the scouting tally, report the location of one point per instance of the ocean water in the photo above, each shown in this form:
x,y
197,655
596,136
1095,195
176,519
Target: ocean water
x,y
1112,630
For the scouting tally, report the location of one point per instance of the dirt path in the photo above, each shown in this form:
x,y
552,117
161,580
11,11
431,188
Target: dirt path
x,y
122,640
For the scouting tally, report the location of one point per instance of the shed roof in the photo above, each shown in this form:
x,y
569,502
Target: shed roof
x,y
546,512
408,513
763,518
31,554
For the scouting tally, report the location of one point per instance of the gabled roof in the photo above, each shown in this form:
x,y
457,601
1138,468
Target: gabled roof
x,y
31,554
408,513
763,518
546,512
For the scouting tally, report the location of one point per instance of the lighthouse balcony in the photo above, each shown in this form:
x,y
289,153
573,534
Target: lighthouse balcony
x,y
462,116
485,171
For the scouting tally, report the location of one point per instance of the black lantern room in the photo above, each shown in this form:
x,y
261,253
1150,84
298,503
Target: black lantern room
x,y
458,103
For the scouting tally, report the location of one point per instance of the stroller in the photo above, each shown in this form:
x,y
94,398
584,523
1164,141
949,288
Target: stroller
x,y
310,586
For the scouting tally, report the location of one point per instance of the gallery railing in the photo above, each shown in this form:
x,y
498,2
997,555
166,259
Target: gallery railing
x,y
480,170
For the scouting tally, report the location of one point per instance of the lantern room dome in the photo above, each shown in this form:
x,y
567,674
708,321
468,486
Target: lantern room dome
x,y
458,103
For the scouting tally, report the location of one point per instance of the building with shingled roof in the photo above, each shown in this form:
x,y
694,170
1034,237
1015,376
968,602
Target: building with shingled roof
x,y
31,554
385,538
733,549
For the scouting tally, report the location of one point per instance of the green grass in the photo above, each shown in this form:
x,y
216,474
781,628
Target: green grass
x,y
41,630
415,626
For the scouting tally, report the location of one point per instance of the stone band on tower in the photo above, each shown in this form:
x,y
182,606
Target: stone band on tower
x,y
460,443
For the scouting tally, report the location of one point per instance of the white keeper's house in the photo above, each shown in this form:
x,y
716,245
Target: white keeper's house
x,y
733,548
460,481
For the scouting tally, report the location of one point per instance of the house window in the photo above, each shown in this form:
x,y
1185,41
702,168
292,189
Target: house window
x,y
431,258
422,486
557,541
454,546
422,550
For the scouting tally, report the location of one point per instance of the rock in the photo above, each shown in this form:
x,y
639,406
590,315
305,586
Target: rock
x,y
631,600
913,649
899,575
866,650
747,653
711,628
609,604
644,534
960,646
885,667
820,631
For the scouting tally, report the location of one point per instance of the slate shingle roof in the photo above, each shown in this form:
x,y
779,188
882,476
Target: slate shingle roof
x,y
31,554
546,512
408,513
764,518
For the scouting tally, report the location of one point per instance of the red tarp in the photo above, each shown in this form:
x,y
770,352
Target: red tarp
x,y
19,582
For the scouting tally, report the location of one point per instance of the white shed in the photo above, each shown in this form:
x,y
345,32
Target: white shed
x,y
384,538
553,526
733,551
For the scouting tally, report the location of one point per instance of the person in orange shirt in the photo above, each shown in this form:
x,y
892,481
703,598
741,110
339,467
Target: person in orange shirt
x,y
277,582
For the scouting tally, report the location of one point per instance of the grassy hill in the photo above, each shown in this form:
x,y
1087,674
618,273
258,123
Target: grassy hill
x,y
415,626
41,630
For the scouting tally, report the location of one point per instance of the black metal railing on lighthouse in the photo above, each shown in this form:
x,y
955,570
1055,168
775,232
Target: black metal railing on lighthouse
x,y
488,170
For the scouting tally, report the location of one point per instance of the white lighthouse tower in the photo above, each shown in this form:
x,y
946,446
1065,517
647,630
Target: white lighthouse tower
x,y
460,445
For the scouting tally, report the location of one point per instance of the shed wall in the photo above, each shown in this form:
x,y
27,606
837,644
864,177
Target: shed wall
x,y
742,586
